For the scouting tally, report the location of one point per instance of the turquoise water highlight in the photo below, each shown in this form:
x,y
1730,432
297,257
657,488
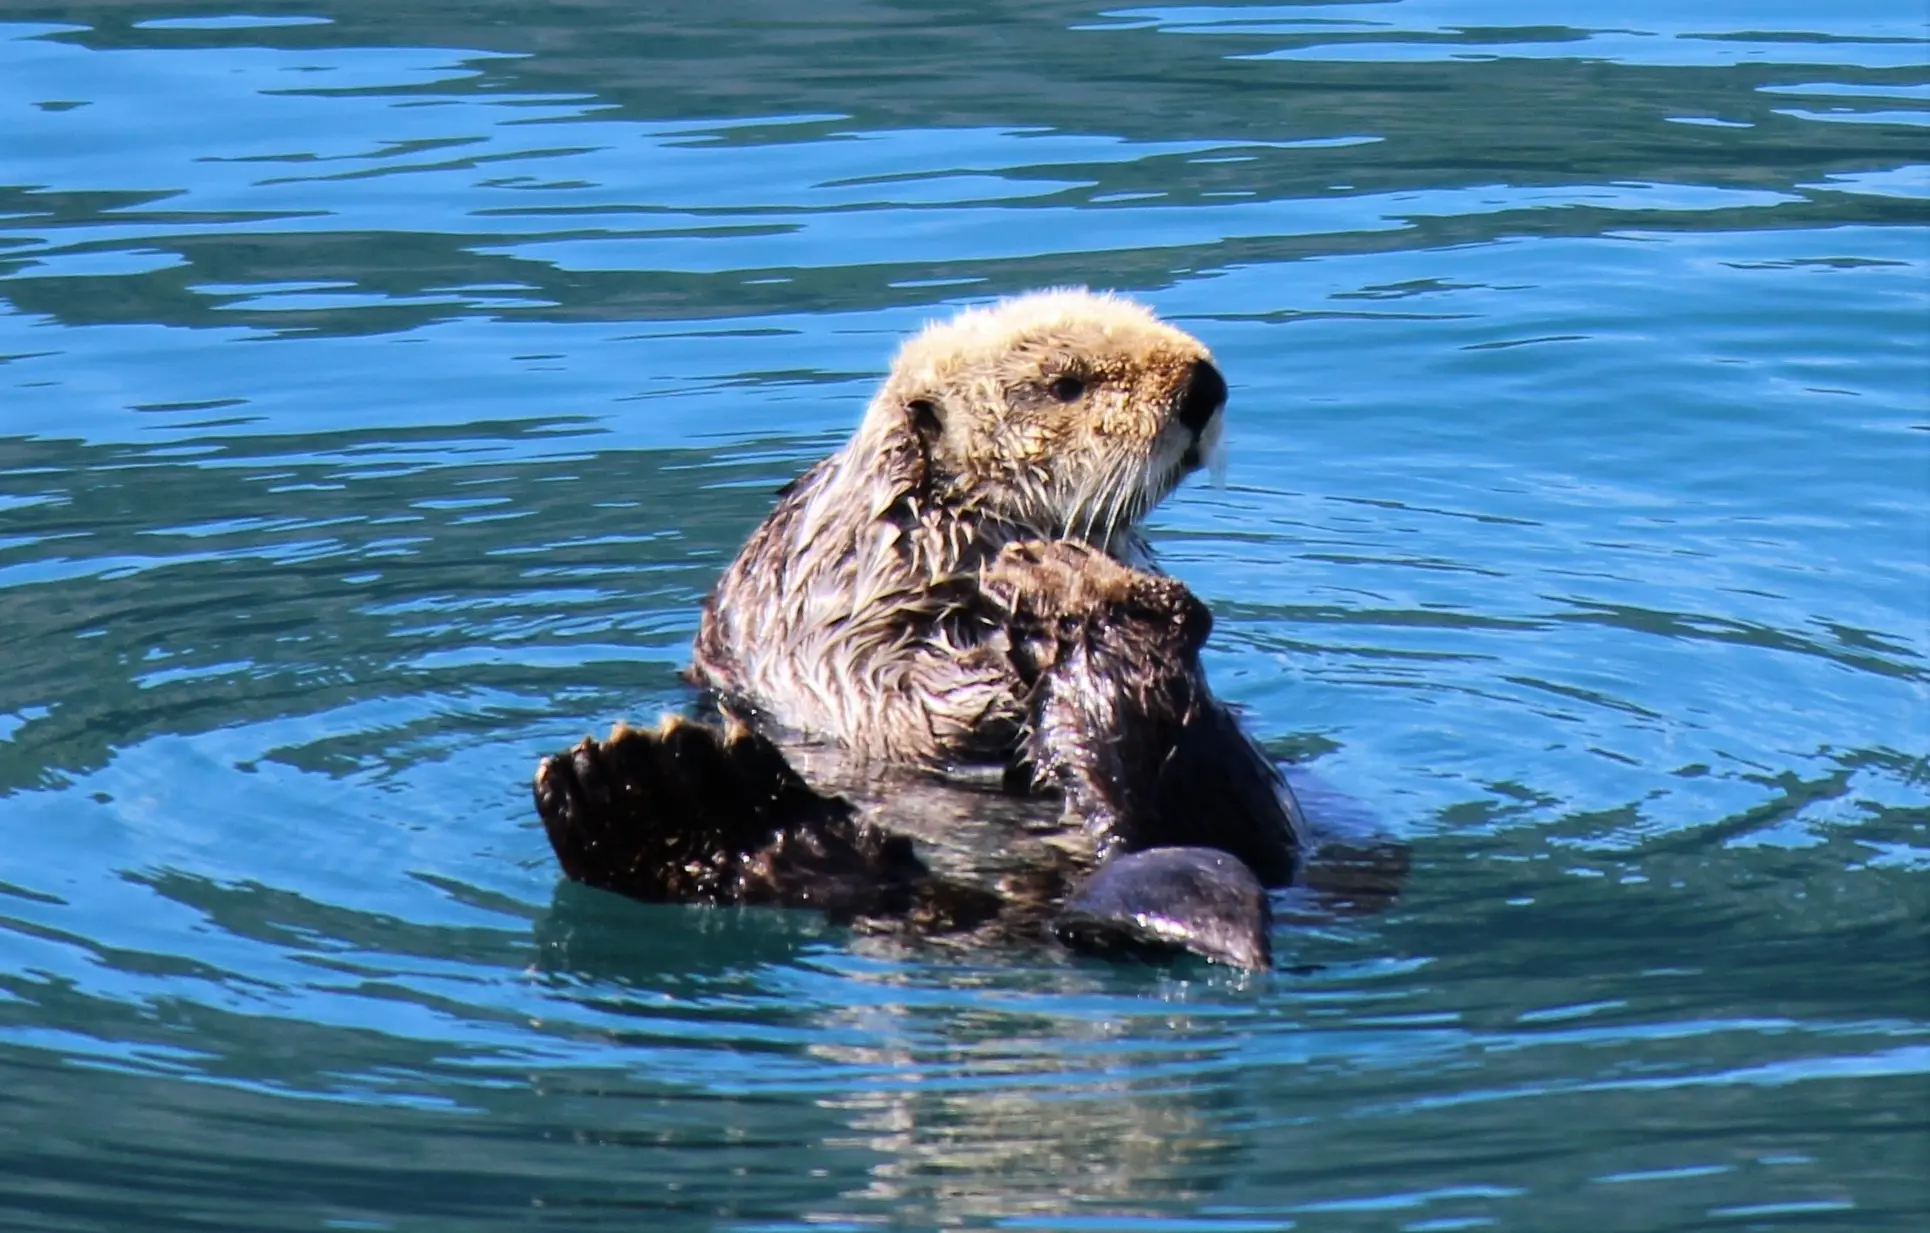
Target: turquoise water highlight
x,y
382,386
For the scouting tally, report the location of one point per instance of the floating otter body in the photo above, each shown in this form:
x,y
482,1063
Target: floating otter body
x,y
964,585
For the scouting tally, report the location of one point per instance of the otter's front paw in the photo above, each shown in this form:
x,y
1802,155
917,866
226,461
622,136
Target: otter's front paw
x,y
1048,579
1050,593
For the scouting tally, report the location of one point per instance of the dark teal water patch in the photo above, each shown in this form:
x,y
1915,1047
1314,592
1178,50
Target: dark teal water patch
x,y
382,386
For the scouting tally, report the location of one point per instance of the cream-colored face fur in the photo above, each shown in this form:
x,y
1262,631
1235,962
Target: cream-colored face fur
x,y
1067,412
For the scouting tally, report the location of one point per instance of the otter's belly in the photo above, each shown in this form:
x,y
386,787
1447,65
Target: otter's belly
x,y
967,827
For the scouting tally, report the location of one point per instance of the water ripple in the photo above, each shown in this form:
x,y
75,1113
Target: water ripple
x,y
382,386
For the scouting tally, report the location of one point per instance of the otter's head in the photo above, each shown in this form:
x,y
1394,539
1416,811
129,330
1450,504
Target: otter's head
x,y
1067,414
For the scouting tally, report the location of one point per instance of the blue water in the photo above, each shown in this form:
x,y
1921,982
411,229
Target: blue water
x,y
383,384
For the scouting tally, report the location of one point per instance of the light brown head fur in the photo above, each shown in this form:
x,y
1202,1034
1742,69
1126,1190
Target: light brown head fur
x,y
1056,415
1058,412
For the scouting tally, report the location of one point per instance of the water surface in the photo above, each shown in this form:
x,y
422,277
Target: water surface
x,y
383,384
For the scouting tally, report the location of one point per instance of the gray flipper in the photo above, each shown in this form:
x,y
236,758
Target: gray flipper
x,y
1164,902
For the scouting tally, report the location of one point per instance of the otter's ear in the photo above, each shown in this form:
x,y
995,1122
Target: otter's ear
x,y
926,421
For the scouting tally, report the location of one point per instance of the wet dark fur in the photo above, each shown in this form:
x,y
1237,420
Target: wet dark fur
x,y
689,814
1119,715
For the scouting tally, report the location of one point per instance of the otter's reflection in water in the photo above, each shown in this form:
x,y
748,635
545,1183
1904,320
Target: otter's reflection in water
x,y
951,1080
996,1112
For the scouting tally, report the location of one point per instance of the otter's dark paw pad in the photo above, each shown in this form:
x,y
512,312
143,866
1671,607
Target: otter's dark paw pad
x,y
1165,902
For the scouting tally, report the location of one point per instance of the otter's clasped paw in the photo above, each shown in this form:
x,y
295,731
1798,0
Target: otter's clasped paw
x,y
1056,591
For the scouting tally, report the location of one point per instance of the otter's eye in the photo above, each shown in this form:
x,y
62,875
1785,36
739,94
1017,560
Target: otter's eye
x,y
1066,389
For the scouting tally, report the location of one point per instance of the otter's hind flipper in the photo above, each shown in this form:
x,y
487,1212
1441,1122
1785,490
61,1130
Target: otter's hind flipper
x,y
1165,902
689,814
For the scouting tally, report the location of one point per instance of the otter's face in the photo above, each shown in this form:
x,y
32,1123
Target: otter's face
x,y
1067,413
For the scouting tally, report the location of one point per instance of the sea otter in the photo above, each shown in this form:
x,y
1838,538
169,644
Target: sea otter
x,y
964,585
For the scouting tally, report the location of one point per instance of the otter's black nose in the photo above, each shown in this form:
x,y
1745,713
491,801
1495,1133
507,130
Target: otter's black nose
x,y
1205,394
